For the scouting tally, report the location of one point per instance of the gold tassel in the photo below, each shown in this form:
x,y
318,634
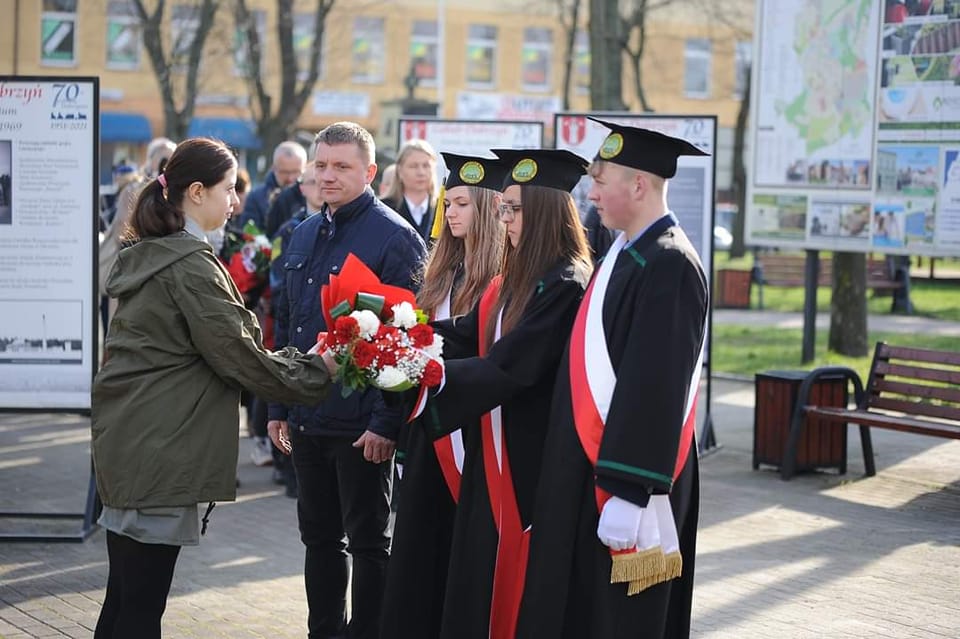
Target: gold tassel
x,y
637,565
673,568
437,227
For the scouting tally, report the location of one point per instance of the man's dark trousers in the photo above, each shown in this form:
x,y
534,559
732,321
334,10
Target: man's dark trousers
x,y
341,492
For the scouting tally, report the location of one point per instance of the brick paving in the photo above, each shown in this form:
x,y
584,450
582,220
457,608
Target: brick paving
x,y
819,556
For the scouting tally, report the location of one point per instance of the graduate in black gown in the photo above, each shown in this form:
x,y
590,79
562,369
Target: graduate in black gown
x,y
618,496
465,257
517,333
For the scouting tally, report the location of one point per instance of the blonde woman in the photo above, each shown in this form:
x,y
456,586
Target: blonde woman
x,y
413,193
466,256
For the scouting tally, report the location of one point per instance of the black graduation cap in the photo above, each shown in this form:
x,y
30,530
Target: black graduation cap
x,y
643,149
486,173
552,168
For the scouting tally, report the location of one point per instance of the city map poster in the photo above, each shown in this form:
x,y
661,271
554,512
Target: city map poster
x,y
48,240
815,128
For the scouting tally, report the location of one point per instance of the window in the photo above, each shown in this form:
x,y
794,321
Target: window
x,y
741,60
581,62
481,55
423,51
184,24
241,45
58,33
303,35
535,58
367,55
124,36
696,68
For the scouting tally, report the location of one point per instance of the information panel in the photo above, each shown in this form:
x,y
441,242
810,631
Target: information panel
x,y
471,137
857,127
49,128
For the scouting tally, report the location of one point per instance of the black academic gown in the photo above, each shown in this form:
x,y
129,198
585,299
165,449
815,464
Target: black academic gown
x,y
653,316
425,225
518,374
423,530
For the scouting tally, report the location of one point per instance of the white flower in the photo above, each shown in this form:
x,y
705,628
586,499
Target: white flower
x,y
368,321
390,376
435,350
404,316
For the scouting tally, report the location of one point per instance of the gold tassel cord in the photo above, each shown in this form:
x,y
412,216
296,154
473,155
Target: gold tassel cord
x,y
673,568
438,217
635,566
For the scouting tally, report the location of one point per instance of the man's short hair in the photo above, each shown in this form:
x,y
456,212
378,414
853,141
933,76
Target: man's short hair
x,y
289,149
349,133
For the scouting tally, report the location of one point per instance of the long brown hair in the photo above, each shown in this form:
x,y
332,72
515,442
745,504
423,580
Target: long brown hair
x,y
159,209
551,231
480,252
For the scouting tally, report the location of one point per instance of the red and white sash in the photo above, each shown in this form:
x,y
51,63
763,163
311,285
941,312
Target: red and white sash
x,y
514,542
592,381
449,448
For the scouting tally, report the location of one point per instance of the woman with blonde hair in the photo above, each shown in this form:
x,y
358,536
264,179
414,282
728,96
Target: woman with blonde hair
x,y
461,264
517,333
413,193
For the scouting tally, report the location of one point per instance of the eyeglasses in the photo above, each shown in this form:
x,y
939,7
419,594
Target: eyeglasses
x,y
506,210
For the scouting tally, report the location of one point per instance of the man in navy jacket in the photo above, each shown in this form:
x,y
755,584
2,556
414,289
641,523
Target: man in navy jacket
x,y
343,448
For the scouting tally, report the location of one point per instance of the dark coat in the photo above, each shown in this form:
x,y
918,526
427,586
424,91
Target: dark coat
x,y
318,247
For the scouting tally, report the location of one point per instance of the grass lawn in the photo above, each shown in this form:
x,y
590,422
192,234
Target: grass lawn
x,y
746,350
938,299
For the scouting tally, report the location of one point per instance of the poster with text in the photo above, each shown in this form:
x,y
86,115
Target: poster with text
x,y
470,137
48,239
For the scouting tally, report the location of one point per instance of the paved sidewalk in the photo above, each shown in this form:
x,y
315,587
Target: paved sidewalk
x,y
819,556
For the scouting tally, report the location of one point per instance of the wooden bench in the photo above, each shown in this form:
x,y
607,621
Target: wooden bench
x,y
779,269
913,390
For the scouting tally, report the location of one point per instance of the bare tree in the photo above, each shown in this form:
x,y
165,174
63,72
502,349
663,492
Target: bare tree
x,y
568,14
606,57
178,97
738,248
275,119
633,16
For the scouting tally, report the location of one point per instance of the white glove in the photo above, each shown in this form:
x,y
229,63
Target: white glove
x,y
619,524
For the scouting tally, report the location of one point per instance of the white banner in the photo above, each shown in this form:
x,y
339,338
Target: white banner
x,y
48,196
503,106
355,104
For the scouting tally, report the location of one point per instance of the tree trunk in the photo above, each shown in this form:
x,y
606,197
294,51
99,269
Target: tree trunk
x,y
570,45
606,60
738,249
848,306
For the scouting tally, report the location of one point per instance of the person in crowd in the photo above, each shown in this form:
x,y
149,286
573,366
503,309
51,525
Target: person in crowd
x,y
158,154
516,333
618,495
283,472
387,177
165,402
289,161
414,191
464,259
342,449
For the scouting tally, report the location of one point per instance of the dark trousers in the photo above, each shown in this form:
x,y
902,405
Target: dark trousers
x,y
137,588
340,492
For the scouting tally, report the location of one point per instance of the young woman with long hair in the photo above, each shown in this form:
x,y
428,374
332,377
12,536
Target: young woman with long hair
x,y
413,193
179,348
465,258
517,333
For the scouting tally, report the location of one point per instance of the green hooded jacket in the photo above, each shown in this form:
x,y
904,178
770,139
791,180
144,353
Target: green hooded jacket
x,y
179,349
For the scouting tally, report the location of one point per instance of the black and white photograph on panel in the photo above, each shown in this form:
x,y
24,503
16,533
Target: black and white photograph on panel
x,y
6,182
41,332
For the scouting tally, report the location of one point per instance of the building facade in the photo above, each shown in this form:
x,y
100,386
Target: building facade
x,y
502,59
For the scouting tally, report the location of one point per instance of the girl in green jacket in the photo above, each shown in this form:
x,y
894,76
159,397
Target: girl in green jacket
x,y
165,403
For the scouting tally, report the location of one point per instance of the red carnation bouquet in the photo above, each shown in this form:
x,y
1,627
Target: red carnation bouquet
x,y
247,257
377,335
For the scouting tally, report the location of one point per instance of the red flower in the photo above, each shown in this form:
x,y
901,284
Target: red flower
x,y
388,356
432,374
346,329
387,333
364,353
421,335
